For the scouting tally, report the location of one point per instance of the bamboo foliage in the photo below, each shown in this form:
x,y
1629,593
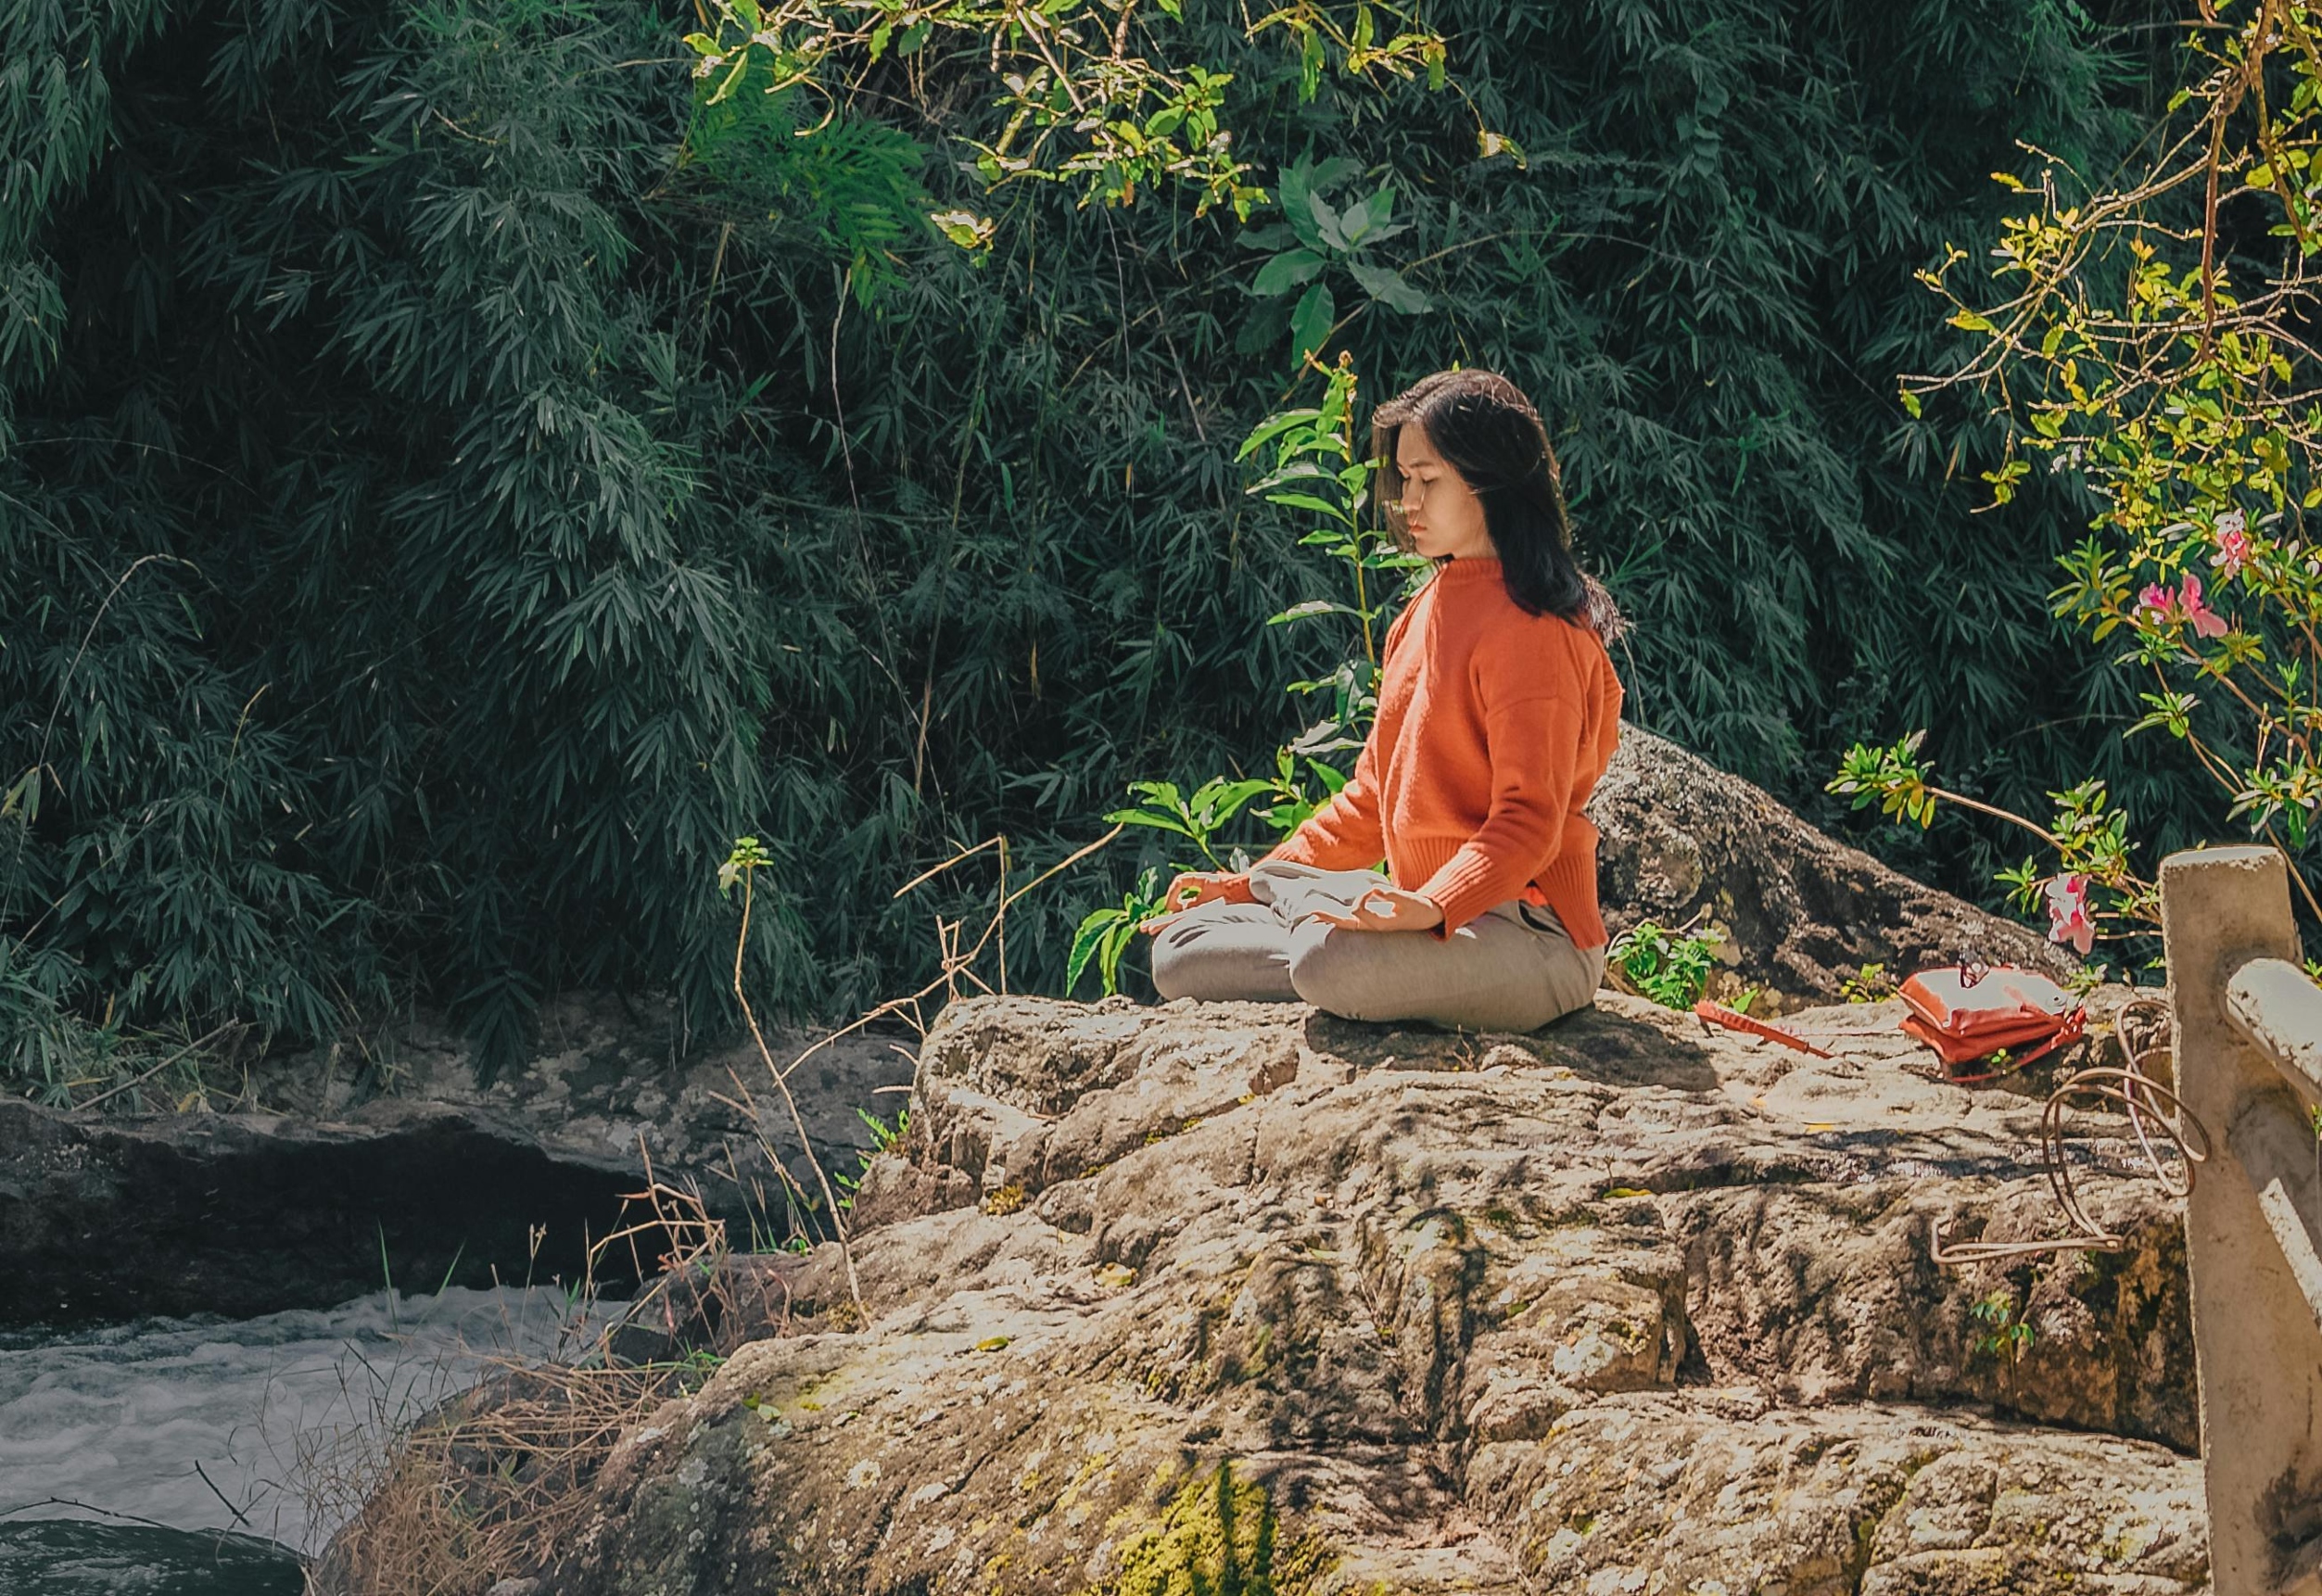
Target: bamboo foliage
x,y
456,479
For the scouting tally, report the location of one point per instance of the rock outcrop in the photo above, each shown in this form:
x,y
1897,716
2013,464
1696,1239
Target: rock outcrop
x,y
612,1080
1244,1298
394,1162
243,1214
1802,912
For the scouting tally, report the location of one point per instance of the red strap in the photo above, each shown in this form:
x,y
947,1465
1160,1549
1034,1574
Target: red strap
x,y
1735,1020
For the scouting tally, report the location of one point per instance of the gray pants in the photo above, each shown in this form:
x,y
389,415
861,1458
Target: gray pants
x,y
1511,969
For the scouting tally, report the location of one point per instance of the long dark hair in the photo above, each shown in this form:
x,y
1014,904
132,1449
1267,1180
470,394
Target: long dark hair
x,y
1488,430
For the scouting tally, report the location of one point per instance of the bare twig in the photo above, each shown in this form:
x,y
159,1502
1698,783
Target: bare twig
x,y
139,1081
838,1226
238,1515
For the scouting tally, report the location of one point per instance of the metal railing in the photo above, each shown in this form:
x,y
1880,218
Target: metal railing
x,y
2247,1049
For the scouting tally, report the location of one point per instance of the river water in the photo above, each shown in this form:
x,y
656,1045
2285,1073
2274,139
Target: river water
x,y
202,1458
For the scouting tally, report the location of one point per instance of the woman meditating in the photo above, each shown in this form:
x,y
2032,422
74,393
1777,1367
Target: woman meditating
x,y
1498,711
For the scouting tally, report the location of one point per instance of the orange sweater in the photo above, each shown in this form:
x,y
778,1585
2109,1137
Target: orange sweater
x,y
1493,727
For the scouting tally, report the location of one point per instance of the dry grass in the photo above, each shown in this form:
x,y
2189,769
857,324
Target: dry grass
x,y
486,1486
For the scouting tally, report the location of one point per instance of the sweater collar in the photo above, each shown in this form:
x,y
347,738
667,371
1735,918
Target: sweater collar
x,y
1467,570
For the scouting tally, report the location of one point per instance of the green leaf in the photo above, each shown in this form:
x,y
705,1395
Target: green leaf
x,y
1221,801
1286,271
748,11
1308,501
1327,222
733,77
1084,941
1274,427
1297,471
1298,204
1116,942
1317,312
1150,819
1311,607
964,228
1489,143
1387,287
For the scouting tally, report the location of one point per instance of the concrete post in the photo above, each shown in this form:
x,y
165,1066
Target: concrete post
x,y
2256,1345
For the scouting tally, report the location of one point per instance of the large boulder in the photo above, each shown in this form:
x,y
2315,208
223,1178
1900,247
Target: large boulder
x,y
1802,913
1242,1297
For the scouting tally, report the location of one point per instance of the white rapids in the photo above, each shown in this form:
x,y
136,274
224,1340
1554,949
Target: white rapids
x,y
271,1427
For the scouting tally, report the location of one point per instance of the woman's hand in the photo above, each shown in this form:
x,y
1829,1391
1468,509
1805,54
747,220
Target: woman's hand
x,y
1385,909
1191,888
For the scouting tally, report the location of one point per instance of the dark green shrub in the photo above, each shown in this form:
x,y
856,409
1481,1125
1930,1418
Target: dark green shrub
x,y
437,515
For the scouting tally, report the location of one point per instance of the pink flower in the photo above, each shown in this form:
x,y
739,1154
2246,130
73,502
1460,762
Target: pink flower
x,y
2233,544
2157,606
2068,913
2206,621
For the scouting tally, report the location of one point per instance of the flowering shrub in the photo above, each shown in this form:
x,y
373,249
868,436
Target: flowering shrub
x,y
2168,366
2087,838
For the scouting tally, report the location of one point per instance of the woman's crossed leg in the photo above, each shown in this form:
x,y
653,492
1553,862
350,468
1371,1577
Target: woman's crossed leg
x,y
1511,969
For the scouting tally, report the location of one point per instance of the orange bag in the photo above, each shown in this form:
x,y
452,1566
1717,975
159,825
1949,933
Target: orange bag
x,y
1973,1013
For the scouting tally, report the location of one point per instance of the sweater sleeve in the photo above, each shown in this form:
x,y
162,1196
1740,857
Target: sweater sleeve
x,y
1345,833
1534,745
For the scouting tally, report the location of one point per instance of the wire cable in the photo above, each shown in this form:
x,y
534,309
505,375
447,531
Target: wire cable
x,y
2156,1114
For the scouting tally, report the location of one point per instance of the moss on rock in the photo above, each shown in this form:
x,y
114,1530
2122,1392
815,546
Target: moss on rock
x,y
1218,1536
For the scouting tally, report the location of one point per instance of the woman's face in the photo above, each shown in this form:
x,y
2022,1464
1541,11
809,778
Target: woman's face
x,y
1444,516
